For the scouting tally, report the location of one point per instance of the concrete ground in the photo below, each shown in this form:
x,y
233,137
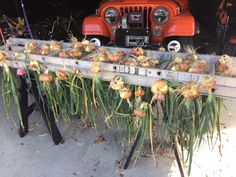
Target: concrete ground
x,y
35,155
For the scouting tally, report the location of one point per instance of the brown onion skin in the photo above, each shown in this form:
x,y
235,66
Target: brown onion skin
x,y
137,51
197,70
63,54
125,93
2,56
32,45
76,54
139,113
45,52
114,57
46,78
160,86
61,75
139,93
89,48
77,45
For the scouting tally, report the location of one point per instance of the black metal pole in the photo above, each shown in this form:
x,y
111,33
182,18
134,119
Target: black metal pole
x,y
46,114
24,126
132,149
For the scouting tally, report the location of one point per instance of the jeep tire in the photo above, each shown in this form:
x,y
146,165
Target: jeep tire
x,y
98,40
178,44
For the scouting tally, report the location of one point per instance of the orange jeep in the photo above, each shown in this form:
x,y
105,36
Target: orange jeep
x,y
142,23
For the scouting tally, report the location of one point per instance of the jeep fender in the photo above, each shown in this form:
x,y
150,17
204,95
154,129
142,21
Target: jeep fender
x,y
94,25
182,25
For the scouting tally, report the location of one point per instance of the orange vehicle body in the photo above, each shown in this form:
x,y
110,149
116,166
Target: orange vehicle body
x,y
180,21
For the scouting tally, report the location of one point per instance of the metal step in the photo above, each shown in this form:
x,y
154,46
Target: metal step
x,y
226,86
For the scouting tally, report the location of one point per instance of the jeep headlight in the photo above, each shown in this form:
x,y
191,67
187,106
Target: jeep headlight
x,y
161,16
111,16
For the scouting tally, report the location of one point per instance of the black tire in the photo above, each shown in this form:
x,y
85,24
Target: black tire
x,y
229,49
104,40
186,41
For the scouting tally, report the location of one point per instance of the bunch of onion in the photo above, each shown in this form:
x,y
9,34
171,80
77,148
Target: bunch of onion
x,y
179,64
189,91
103,50
71,53
9,90
62,90
132,62
190,64
199,67
79,97
144,61
191,54
142,125
84,45
116,56
191,116
99,89
32,47
54,93
210,115
120,94
98,58
104,55
75,43
223,66
47,89
183,109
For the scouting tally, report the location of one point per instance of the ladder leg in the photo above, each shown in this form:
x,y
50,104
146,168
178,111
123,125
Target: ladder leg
x,y
23,126
46,114
132,150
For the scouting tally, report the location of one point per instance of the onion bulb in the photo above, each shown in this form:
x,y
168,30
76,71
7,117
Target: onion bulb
x,y
77,45
139,92
45,47
160,86
117,83
139,113
31,45
75,53
55,46
125,93
189,90
89,48
61,75
138,51
34,65
64,54
85,42
46,78
2,57
45,52
208,83
95,68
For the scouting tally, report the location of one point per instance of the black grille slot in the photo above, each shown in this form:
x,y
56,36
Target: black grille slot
x,y
146,16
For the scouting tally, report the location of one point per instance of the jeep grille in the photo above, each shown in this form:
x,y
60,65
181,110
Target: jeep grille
x,y
146,11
